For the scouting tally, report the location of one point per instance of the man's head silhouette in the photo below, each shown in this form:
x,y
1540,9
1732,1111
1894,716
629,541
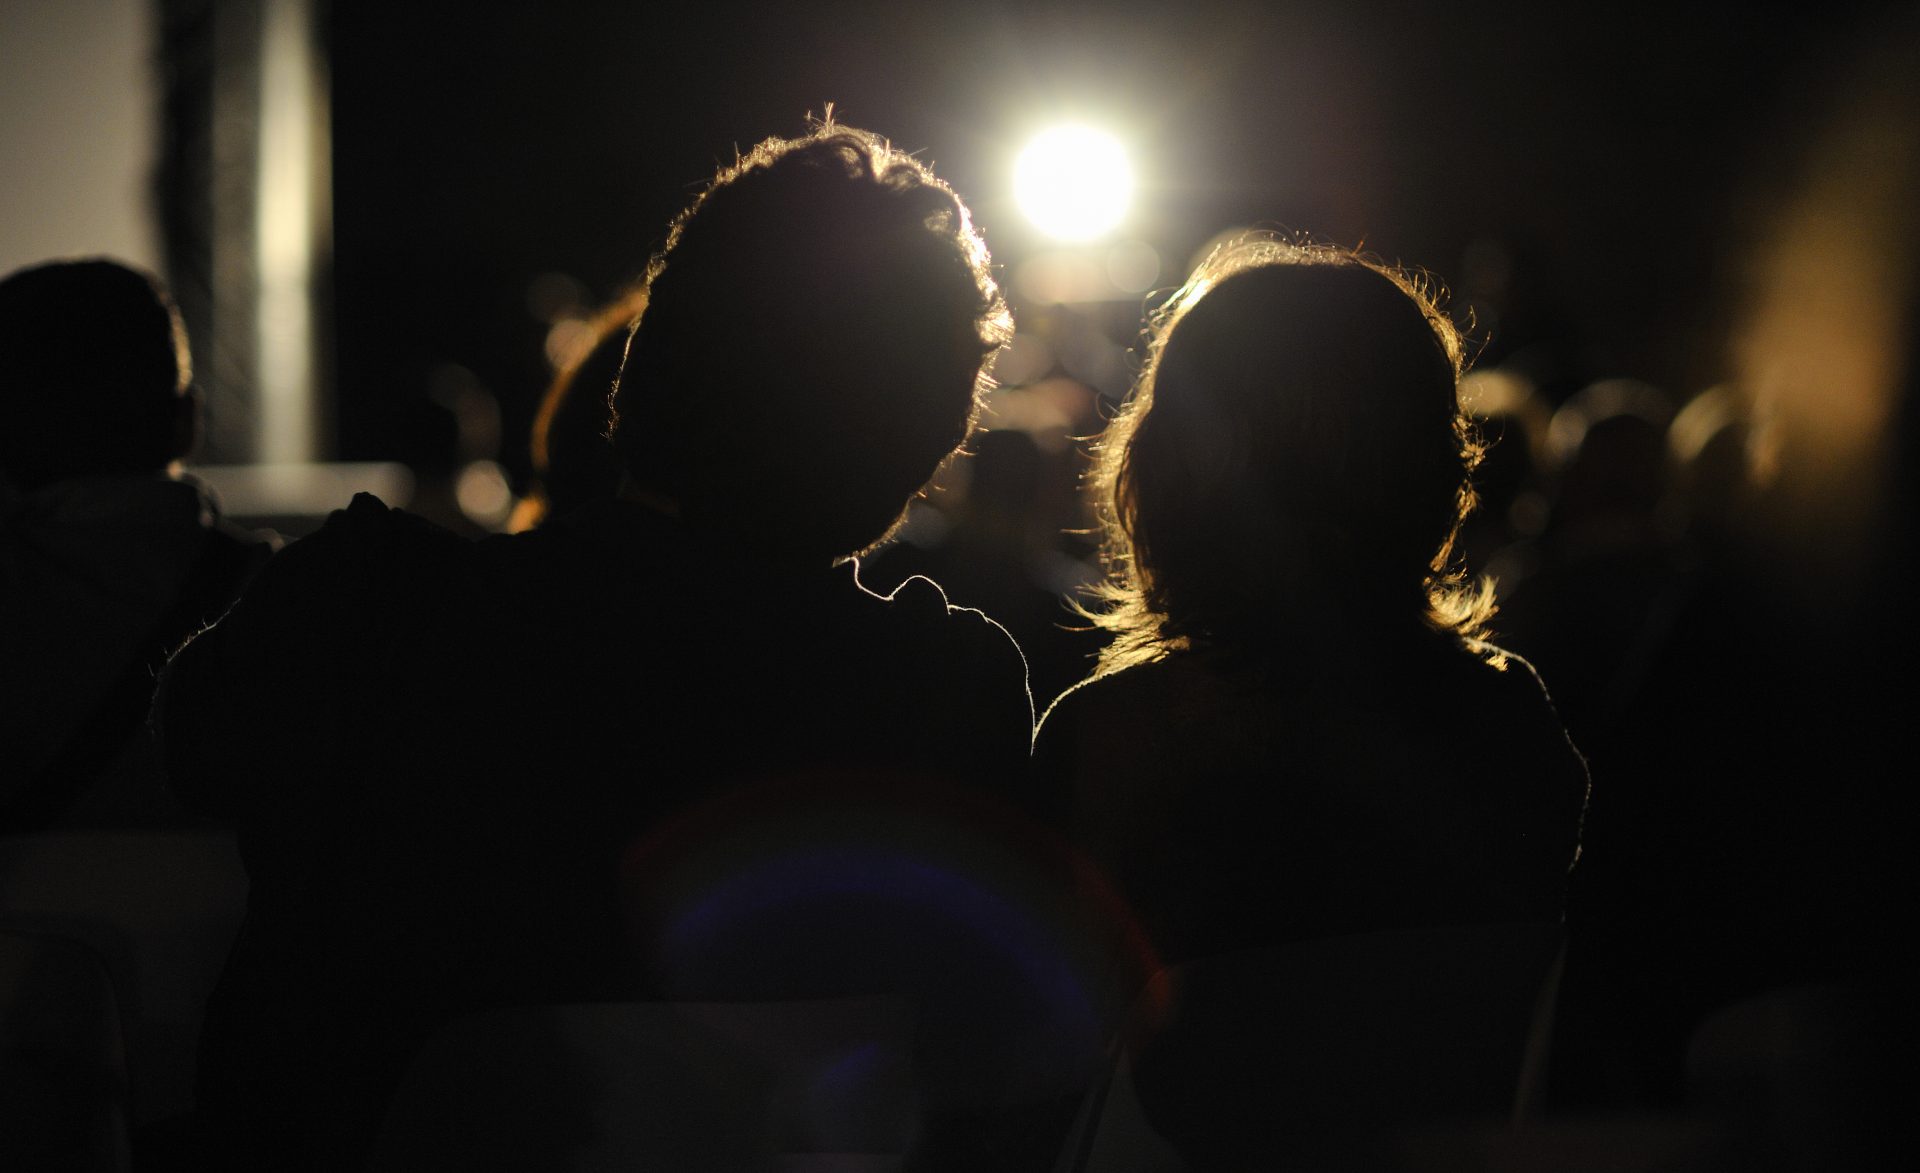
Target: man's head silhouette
x,y
813,346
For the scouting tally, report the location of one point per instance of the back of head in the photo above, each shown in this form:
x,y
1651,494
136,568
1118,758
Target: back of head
x,y
93,373
1295,447
813,345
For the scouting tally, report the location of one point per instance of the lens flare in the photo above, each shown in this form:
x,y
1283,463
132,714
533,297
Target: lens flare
x,y
1074,182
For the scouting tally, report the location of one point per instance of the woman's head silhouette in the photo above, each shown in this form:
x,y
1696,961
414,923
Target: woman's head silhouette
x,y
1293,459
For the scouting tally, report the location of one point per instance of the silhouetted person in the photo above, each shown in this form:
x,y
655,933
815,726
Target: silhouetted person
x,y
108,561
1749,821
573,459
438,752
1610,574
1297,731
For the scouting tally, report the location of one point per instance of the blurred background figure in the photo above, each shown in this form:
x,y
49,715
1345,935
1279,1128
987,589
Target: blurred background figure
x,y
1498,539
453,441
1596,600
573,458
109,560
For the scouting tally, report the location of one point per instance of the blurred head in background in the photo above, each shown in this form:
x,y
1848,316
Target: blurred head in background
x,y
94,374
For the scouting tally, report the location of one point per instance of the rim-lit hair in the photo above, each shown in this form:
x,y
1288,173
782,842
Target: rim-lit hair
x,y
1293,464
814,345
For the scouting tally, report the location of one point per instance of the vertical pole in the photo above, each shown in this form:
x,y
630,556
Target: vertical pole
x,y
290,216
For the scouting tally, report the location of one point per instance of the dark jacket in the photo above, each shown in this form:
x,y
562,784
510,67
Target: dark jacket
x,y
437,753
1405,783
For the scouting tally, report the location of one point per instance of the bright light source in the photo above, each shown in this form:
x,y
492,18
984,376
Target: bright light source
x,y
1074,182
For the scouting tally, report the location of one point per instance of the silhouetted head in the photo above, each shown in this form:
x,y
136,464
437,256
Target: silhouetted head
x,y
94,374
1610,440
813,345
1293,460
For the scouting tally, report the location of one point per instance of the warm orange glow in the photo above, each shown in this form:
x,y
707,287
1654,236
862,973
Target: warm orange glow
x,y
1822,352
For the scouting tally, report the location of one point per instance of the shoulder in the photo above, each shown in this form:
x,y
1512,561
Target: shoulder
x,y
366,561
977,655
1525,707
1125,693
1112,741
371,540
1513,677
1064,710
369,522
1124,701
1501,688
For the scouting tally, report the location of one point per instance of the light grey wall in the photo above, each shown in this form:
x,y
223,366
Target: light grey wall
x,y
79,123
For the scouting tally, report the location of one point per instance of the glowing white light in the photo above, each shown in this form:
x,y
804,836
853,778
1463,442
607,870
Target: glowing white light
x,y
289,209
1074,182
